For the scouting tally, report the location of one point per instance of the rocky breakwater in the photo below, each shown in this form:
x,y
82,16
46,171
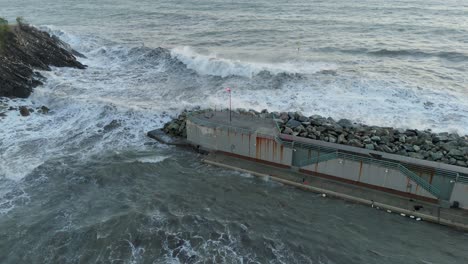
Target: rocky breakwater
x,y
25,50
449,148
174,132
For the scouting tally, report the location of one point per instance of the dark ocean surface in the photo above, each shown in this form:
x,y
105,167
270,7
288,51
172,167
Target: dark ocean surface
x,y
84,184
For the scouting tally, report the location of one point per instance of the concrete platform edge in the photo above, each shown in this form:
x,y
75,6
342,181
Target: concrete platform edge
x,y
424,217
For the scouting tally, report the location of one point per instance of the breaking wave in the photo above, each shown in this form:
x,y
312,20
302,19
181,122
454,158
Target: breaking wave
x,y
128,90
213,65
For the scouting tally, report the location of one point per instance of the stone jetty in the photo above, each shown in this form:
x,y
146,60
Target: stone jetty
x,y
444,147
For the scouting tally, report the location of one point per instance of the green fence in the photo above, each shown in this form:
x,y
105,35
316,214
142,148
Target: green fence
x,y
331,154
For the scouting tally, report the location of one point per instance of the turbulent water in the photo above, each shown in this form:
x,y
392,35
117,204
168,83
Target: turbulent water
x,y
84,184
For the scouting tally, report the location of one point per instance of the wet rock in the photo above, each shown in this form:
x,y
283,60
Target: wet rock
x,y
288,130
386,148
280,122
370,146
456,153
173,127
449,146
299,129
346,123
410,133
25,50
465,150
402,139
44,109
355,143
284,117
293,123
415,155
24,111
321,129
112,125
342,139
440,138
302,118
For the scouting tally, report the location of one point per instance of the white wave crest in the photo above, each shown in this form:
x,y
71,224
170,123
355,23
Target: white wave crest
x,y
152,159
212,65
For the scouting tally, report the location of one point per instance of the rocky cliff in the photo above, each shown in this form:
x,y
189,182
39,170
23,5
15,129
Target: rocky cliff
x,y
23,51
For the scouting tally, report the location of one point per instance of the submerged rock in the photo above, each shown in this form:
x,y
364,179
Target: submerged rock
x,y
44,109
24,111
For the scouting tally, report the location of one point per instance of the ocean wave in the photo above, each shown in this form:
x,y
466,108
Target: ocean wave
x,y
453,56
139,87
448,55
213,65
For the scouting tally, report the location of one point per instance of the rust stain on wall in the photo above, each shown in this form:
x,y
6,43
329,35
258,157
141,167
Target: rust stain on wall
x,y
262,147
316,164
281,153
275,145
258,147
360,171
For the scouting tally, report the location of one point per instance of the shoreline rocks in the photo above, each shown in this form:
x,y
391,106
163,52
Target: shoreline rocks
x,y
25,50
449,148
443,147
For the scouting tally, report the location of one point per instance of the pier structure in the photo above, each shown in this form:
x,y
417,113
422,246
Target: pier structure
x,y
423,189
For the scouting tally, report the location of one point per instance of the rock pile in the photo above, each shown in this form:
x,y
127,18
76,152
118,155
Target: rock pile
x,y
176,127
444,147
26,110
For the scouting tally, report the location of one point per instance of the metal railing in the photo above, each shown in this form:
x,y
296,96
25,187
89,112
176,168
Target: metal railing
x,y
387,164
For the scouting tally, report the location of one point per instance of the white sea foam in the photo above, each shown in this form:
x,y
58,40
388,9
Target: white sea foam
x,y
152,159
129,86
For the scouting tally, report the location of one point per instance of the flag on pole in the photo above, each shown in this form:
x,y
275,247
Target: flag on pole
x,y
228,89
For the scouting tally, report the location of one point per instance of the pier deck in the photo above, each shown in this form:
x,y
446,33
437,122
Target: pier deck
x,y
457,218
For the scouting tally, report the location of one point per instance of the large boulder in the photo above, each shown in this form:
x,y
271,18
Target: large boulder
x,y
24,111
355,143
293,123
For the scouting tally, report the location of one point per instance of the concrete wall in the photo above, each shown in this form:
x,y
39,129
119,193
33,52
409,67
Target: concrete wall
x,y
266,148
369,174
460,194
252,145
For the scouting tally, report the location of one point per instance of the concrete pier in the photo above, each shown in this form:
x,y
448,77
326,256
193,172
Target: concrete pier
x,y
409,186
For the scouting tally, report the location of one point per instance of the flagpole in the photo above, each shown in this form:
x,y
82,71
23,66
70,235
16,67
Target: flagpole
x,y
230,108
230,104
